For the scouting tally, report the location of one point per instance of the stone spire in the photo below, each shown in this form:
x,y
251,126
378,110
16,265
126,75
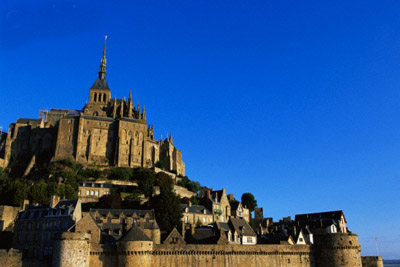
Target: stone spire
x,y
103,63
170,138
144,113
130,105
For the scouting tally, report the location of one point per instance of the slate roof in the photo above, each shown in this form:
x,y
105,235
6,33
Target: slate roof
x,y
199,209
204,235
126,212
241,227
135,234
336,215
63,208
223,225
100,84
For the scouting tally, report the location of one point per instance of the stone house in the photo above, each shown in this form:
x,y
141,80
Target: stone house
x,y
328,220
196,214
238,231
217,202
36,226
240,211
91,191
110,225
174,238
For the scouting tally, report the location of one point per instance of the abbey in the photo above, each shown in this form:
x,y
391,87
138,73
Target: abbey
x,y
107,131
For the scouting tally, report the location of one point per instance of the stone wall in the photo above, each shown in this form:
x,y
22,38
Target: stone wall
x,y
375,261
183,192
10,258
71,249
202,255
337,250
7,216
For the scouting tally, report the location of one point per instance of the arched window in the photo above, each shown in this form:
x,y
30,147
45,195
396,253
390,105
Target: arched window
x,y
104,97
95,113
95,97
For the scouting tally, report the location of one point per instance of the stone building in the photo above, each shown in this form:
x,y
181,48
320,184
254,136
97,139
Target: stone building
x,y
196,214
36,226
91,191
107,131
217,202
328,220
238,231
110,225
240,211
7,216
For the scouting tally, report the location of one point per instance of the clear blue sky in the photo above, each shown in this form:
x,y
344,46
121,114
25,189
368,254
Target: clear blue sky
x,y
296,102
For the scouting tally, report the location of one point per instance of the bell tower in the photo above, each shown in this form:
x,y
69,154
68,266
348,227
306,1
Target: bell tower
x,y
99,93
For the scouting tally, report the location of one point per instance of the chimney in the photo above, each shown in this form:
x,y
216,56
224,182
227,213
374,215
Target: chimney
x,y
25,204
208,193
54,201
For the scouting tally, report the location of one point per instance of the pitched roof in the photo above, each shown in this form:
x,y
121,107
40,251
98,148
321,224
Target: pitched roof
x,y
135,234
204,235
241,227
174,233
100,84
128,212
199,209
336,215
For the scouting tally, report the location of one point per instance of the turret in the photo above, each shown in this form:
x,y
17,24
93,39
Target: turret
x,y
144,114
115,108
130,104
122,108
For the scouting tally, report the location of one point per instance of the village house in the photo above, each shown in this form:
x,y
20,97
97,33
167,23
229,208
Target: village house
x,y
217,202
36,226
196,214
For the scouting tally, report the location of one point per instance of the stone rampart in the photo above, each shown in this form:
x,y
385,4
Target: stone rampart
x,y
203,255
372,261
337,250
71,249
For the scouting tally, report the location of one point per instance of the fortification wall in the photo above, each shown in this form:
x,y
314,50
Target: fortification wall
x,y
71,249
228,255
202,256
372,261
334,250
337,250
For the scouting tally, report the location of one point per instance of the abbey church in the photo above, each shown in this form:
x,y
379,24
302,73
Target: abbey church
x,y
107,131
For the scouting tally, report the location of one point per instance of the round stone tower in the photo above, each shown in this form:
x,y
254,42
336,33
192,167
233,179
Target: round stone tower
x,y
135,249
337,250
71,249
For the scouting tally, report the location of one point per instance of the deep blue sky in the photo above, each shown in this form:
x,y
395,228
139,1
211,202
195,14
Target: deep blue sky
x,y
296,102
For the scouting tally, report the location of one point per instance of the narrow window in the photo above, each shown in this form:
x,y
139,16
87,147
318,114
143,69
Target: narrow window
x,y
95,97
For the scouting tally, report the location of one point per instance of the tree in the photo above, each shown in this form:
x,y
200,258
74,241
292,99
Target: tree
x,y
112,201
145,179
189,185
39,193
164,181
168,210
133,200
249,201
